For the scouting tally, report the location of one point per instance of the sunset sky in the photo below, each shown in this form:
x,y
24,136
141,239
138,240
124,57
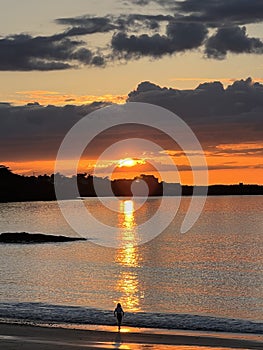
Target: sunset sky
x,y
201,59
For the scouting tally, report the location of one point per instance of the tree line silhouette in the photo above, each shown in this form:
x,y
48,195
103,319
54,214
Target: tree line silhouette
x,y
16,188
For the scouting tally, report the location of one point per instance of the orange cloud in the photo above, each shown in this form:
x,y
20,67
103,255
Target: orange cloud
x,y
240,146
45,97
204,80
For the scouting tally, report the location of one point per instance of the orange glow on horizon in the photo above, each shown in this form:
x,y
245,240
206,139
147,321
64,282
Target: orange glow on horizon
x,y
45,97
224,166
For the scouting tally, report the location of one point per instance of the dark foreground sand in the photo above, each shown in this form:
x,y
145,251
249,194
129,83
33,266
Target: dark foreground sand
x,y
25,337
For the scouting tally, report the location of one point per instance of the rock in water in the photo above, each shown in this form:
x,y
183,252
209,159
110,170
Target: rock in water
x,y
25,237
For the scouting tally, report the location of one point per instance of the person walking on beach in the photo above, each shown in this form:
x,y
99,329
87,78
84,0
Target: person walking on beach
x,y
119,313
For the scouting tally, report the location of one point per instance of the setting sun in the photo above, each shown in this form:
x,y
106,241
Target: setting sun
x,y
128,162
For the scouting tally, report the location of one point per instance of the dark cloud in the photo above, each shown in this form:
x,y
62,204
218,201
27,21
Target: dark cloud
x,y
98,61
25,53
213,12
141,2
136,22
179,37
232,39
186,35
222,12
256,152
35,132
216,114
214,167
84,25
164,3
142,45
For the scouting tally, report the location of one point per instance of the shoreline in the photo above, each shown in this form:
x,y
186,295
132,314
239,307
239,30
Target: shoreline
x,y
45,337
131,197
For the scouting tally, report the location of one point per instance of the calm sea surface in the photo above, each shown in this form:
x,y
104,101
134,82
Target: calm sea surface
x,y
213,271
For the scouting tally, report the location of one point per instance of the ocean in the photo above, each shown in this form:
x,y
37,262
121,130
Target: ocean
x,y
210,278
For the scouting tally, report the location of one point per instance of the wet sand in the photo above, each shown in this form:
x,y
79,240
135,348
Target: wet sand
x,y
25,337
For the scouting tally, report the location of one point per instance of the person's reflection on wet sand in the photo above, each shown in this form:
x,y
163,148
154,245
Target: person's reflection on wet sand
x,y
118,341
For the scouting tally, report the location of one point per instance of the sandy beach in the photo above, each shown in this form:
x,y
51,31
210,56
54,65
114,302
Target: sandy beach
x,y
15,336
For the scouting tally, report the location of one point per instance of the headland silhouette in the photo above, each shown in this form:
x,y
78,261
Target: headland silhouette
x,y
16,188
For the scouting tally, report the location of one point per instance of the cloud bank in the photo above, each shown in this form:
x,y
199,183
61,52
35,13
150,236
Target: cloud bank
x,y
219,116
216,115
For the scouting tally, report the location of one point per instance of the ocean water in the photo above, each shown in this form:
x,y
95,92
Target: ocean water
x,y
210,278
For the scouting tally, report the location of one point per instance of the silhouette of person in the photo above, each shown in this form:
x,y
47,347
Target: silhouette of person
x,y
119,313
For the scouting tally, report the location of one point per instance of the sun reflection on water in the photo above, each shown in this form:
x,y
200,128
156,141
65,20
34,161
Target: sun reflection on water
x,y
127,256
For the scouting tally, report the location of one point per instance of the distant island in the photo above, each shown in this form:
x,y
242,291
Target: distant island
x,y
18,188
30,238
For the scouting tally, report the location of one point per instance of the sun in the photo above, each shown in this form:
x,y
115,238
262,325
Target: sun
x,y
127,162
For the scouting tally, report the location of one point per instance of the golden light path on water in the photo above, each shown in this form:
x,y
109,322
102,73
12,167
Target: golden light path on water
x,y
127,256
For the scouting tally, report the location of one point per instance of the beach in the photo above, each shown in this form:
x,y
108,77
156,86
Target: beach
x,y
27,337
203,288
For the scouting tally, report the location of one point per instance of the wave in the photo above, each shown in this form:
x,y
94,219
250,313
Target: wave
x,y
47,313
25,237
